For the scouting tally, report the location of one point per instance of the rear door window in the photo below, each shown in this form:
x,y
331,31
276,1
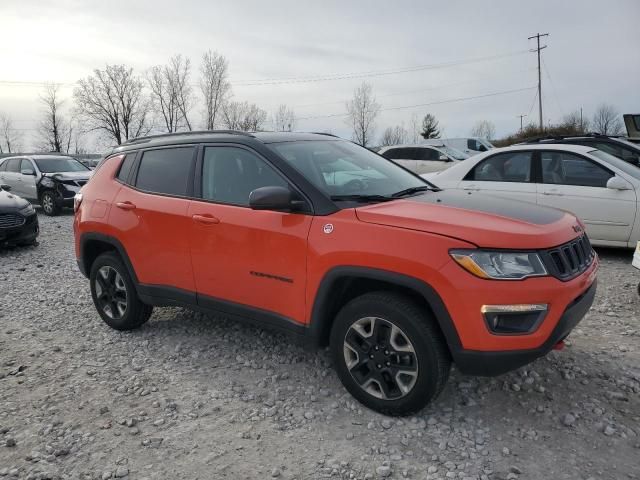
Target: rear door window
x,y
13,165
166,171
503,167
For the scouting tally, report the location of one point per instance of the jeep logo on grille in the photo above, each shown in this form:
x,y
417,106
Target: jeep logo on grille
x,y
577,228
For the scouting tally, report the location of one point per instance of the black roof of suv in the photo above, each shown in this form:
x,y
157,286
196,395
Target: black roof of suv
x,y
618,146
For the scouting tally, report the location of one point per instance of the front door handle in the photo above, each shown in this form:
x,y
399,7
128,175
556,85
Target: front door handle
x,y
470,187
205,219
125,205
552,192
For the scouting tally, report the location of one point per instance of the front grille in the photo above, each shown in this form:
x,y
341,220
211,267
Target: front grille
x,y
569,260
11,220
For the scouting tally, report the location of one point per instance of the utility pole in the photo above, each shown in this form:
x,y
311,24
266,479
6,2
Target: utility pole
x,y
521,117
537,37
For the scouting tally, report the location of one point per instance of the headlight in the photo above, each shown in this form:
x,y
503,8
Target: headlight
x,y
500,265
28,210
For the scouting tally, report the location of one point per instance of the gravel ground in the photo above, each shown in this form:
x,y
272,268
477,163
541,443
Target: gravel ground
x,y
190,396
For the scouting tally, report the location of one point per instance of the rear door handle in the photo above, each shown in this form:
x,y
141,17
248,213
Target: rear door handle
x,y
552,192
125,205
205,219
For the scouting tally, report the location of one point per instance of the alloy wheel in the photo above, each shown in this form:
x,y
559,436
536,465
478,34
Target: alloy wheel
x,y
111,292
380,358
47,203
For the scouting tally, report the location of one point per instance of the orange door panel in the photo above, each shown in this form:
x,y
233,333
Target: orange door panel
x,y
153,229
251,257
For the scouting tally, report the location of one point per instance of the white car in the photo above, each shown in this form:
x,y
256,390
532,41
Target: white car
x,y
423,158
468,145
600,189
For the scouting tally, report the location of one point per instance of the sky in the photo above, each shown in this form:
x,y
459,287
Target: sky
x,y
419,56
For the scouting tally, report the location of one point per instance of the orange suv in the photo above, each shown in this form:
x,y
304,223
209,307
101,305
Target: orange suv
x,y
317,236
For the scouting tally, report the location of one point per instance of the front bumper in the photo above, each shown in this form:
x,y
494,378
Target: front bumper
x,y
25,233
473,362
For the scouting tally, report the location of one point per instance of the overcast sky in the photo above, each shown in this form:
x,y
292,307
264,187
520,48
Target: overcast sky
x,y
593,54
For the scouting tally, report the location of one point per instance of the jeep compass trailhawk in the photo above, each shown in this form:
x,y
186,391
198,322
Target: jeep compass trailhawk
x,y
317,236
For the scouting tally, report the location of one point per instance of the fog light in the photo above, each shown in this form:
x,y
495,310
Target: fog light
x,y
514,319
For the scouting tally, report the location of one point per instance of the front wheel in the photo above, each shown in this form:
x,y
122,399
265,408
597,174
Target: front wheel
x,y
114,294
388,353
49,203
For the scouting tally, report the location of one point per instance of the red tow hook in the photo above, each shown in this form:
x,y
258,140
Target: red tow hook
x,y
559,345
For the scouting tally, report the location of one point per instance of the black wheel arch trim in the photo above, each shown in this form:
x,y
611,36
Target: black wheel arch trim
x,y
107,239
321,322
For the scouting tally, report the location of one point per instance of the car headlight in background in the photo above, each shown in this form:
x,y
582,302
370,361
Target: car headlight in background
x,y
28,210
500,265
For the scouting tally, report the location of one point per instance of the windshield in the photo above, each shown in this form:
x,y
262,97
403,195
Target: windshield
x,y
454,153
626,167
341,168
59,164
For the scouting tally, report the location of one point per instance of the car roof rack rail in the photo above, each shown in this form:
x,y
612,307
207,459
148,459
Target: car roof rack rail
x,y
325,133
149,138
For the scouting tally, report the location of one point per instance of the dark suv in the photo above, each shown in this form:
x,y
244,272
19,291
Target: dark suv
x,y
617,146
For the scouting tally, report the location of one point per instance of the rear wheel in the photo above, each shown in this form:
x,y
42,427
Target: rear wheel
x,y
388,353
49,202
114,294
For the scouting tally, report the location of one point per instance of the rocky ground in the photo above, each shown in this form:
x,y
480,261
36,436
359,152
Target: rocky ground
x,y
190,396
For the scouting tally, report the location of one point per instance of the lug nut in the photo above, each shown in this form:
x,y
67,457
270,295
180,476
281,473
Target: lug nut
x,y
379,366
388,364
371,356
376,347
386,352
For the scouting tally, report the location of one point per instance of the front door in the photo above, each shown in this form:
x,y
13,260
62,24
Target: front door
x,y
503,174
250,258
579,185
11,175
430,160
27,180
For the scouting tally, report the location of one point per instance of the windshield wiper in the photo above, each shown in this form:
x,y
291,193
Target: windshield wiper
x,y
362,198
412,190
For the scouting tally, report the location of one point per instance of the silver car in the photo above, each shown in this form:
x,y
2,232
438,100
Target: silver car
x,y
50,180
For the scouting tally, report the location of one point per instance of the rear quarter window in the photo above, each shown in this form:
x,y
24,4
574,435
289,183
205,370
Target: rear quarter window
x,y
125,167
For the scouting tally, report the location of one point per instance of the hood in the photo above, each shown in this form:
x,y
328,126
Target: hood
x,y
69,175
10,202
483,220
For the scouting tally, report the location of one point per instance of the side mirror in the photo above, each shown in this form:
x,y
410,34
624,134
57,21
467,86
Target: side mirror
x,y
617,183
271,198
444,158
28,171
482,148
5,187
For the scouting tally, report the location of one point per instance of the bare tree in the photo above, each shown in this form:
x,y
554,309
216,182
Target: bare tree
x,y
171,92
112,101
54,130
243,116
484,129
284,120
414,125
215,86
362,111
574,123
10,138
606,120
394,136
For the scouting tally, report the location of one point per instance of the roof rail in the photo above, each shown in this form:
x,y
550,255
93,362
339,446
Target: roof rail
x,y
325,133
148,138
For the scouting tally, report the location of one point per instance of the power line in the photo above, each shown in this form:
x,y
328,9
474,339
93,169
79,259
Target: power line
x,y
553,87
308,79
440,102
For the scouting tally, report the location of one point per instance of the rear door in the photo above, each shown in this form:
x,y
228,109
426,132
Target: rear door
x,y
12,174
574,183
505,174
150,215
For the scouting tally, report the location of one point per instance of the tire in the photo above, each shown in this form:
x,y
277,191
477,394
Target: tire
x,y
114,294
49,203
390,328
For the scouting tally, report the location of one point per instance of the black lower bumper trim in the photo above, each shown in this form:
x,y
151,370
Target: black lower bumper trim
x,y
474,362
